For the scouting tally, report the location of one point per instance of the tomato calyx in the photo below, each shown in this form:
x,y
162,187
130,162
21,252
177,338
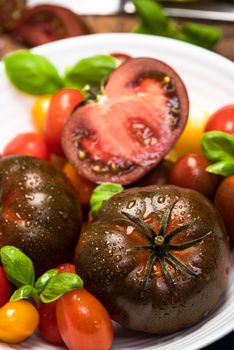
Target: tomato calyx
x,y
160,247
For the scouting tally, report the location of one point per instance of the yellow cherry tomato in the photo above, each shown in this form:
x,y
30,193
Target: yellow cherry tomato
x,y
83,187
190,140
18,320
39,111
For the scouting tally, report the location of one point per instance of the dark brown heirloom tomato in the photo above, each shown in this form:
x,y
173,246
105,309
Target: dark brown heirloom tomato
x,y
158,258
40,212
131,127
10,12
45,23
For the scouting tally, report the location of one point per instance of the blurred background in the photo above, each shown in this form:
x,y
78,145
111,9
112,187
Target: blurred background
x,y
206,23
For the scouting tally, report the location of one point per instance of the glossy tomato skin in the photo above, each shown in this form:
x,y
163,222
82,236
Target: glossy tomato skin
x,y
48,323
61,105
190,172
40,211
222,119
128,131
18,321
114,272
83,321
5,290
28,144
225,204
45,23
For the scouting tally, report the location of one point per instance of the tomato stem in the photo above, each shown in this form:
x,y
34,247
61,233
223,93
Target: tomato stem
x,y
160,246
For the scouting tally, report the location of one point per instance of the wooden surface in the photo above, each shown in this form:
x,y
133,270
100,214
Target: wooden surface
x,y
125,23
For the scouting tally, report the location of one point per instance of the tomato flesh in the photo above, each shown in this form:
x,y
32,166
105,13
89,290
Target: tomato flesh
x,y
132,126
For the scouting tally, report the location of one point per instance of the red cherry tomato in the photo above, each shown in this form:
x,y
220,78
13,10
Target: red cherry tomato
x,y
5,290
29,143
48,323
189,171
121,56
222,119
67,268
61,105
44,23
225,204
83,321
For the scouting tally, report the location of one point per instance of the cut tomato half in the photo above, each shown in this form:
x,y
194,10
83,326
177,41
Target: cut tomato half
x,y
131,127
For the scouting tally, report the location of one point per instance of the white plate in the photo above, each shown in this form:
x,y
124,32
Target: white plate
x,y
209,80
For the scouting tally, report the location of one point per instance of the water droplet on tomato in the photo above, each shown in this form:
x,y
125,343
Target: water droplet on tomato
x,y
130,204
117,268
118,258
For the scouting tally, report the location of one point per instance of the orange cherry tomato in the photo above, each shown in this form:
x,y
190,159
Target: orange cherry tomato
x,y
83,321
84,187
18,320
39,111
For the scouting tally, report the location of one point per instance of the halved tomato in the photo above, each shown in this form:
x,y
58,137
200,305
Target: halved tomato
x,y
131,127
44,23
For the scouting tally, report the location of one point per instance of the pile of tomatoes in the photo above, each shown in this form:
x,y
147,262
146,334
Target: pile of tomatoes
x,y
185,165
78,317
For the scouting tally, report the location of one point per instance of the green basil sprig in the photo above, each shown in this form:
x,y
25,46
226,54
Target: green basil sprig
x,y
31,73
36,75
155,22
60,284
48,287
101,194
24,292
18,267
218,147
91,71
43,280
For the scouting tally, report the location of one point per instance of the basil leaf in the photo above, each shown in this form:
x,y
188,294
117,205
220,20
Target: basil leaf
x,y
24,292
18,266
33,74
152,14
102,193
202,35
59,285
90,71
225,168
42,281
218,146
